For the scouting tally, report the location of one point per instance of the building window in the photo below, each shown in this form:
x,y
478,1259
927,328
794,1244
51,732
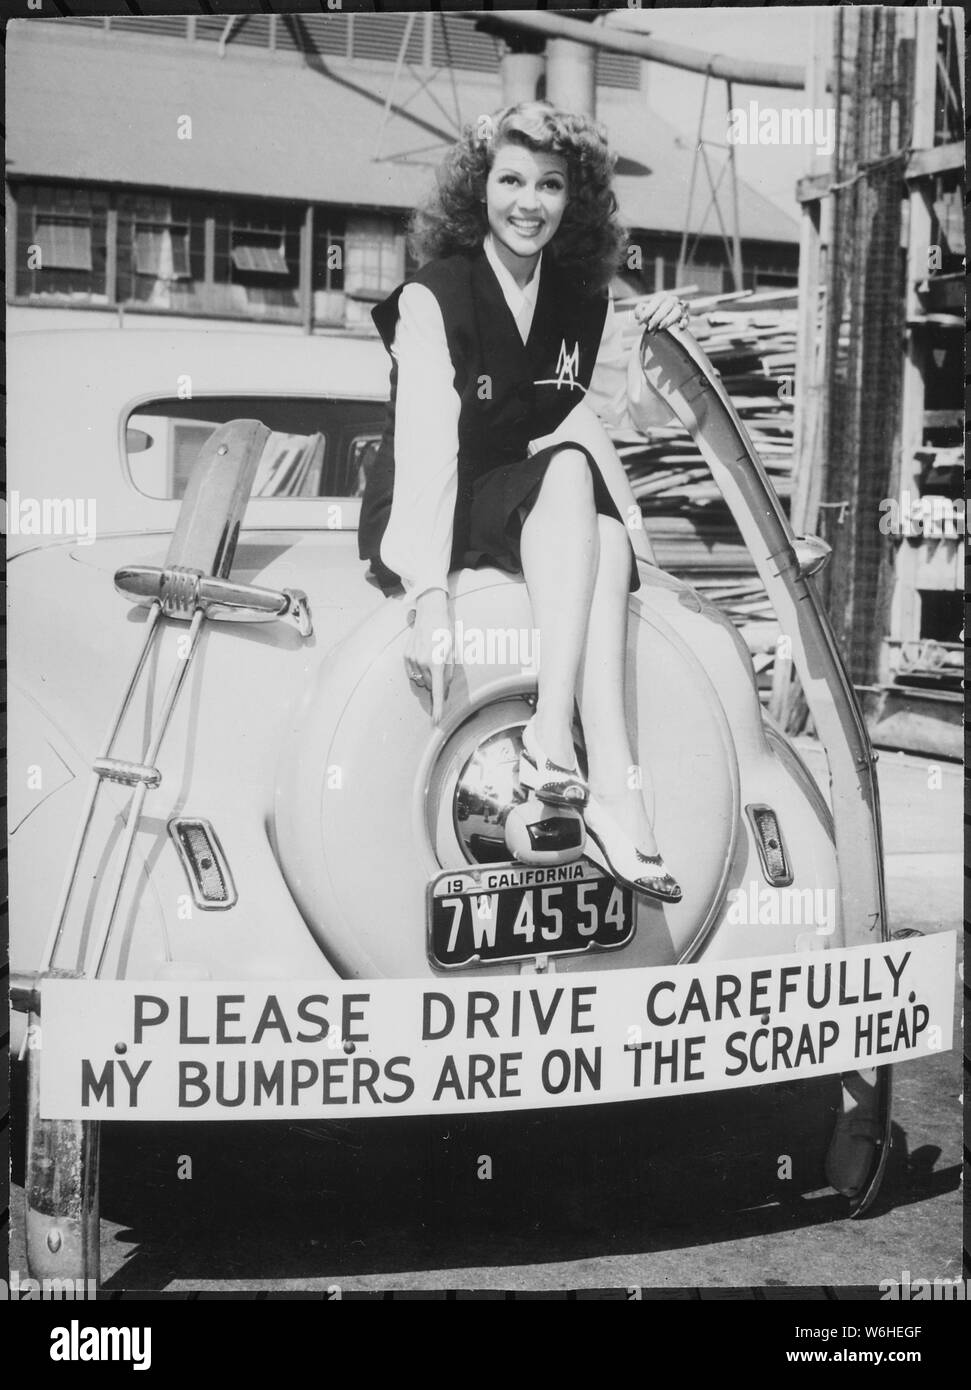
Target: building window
x,y
328,262
61,243
375,263
160,251
193,254
329,252
256,268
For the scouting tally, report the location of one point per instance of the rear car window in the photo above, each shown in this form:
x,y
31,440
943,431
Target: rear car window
x,y
317,447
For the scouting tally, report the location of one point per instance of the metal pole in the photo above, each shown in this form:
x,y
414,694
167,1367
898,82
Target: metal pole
x,y
571,76
82,830
617,40
141,791
522,72
736,226
679,273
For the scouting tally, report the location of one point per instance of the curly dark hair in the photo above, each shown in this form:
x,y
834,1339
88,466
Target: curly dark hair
x,y
590,242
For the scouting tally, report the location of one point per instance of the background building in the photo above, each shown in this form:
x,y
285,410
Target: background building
x,y
263,167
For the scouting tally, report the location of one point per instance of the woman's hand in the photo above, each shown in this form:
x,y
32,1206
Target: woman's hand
x,y
428,652
662,311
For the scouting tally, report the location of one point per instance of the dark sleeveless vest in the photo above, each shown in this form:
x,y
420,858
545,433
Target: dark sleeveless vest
x,y
510,391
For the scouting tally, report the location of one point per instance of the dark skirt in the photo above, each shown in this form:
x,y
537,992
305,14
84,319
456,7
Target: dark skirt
x,y
500,500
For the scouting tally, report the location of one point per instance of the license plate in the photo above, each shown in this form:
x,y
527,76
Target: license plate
x,y
508,912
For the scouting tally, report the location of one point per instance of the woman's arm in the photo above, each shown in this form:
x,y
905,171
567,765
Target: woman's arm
x,y
417,543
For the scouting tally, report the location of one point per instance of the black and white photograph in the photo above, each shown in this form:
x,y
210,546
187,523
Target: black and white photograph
x,y
485,534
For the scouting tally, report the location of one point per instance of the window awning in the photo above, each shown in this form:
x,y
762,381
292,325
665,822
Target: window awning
x,y
261,260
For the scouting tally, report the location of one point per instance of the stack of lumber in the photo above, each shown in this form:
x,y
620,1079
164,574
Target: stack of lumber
x,y
751,341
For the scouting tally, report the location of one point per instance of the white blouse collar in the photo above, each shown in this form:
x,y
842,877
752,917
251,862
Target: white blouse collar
x,y
521,301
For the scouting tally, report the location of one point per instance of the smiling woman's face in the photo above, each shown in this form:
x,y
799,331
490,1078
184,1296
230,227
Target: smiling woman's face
x,y
526,195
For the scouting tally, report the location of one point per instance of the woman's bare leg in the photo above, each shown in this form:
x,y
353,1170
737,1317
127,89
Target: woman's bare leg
x,y
559,551
601,687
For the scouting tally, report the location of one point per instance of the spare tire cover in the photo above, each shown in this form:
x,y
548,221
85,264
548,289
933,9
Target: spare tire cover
x,y
356,837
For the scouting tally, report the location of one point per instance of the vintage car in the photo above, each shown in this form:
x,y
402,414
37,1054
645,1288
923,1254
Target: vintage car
x,y
184,574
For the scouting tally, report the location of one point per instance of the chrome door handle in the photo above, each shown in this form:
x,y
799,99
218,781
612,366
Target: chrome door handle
x,y
182,592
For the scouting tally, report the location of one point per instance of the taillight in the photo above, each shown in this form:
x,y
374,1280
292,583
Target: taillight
x,y
204,862
770,845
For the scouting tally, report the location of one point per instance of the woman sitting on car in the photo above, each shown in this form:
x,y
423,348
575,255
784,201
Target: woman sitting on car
x,y
506,361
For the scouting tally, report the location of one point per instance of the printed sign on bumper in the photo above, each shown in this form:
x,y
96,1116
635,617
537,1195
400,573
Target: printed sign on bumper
x,y
264,1050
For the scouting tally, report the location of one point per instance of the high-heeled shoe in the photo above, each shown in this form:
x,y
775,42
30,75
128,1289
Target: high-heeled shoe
x,y
609,845
547,780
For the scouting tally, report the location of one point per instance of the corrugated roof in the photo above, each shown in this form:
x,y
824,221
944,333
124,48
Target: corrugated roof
x,y
106,108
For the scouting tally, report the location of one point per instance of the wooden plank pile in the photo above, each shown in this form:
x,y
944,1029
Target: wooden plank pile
x,y
752,343
751,340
